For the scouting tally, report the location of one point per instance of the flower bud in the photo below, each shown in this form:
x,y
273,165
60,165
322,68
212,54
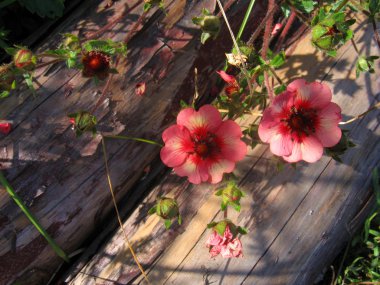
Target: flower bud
x,y
83,122
167,209
24,59
230,195
96,64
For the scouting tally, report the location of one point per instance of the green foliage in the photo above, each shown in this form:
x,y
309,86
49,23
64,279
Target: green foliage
x,y
304,6
340,149
109,47
330,30
363,261
365,64
220,228
167,209
152,3
83,122
230,195
210,25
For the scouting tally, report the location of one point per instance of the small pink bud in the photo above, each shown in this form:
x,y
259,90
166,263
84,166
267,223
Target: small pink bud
x,y
5,127
276,29
140,88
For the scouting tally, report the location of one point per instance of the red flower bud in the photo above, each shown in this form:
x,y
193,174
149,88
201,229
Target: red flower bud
x,y
5,127
24,58
140,88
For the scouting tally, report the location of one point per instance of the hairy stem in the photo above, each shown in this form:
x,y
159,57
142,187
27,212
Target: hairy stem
x,y
286,29
376,106
133,139
118,214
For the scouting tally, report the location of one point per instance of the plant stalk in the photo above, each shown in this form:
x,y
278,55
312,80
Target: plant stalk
x,y
32,218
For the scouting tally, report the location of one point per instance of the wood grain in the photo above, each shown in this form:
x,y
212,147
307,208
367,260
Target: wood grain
x,y
299,219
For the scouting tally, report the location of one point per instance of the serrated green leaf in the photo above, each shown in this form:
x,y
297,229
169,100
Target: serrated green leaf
x,y
242,230
278,60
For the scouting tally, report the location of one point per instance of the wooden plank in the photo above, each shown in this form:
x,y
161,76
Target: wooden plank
x,y
296,217
61,178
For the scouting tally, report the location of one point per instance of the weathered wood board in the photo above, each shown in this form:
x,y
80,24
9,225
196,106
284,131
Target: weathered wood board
x,y
298,219
62,178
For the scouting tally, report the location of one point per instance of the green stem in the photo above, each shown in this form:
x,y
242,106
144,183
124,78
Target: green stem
x,y
341,5
245,20
132,138
32,219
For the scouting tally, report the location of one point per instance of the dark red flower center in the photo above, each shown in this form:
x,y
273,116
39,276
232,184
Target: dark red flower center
x,y
205,144
96,63
301,121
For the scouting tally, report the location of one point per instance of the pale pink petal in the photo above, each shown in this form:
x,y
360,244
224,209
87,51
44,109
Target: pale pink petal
x,y
226,252
311,149
227,236
268,126
216,169
228,139
215,250
194,168
320,95
328,131
178,144
226,77
296,85
281,144
214,239
282,103
236,248
296,154
208,118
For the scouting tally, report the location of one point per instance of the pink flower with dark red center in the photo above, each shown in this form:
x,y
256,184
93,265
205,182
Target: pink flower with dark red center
x,y
202,146
227,246
232,84
301,121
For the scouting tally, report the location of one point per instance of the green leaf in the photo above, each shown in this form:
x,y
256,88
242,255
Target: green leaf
x,y
11,51
205,37
29,81
374,7
4,94
332,53
50,9
223,206
237,207
167,223
210,225
152,210
147,7
179,219
278,60
242,230
279,89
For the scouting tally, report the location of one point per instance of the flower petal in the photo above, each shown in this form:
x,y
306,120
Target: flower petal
x,y
268,126
193,167
328,131
311,149
281,144
316,94
208,117
226,77
178,144
216,169
296,154
228,139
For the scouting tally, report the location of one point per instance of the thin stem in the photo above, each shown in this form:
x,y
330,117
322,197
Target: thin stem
x,y
376,32
376,106
245,20
126,40
341,5
32,218
132,138
260,27
355,46
275,75
244,67
268,86
286,29
48,63
118,214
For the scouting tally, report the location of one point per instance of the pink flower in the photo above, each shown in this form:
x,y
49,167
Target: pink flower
x,y
227,246
232,84
301,121
202,146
